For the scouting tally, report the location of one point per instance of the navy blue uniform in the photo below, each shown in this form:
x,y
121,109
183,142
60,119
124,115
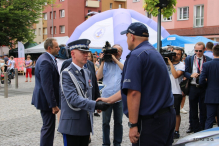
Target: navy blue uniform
x,y
146,72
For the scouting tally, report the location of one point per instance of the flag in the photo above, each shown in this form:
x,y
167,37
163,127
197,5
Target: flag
x,y
20,50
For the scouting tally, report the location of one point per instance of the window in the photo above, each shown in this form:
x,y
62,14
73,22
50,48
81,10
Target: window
x,y
120,5
148,15
55,29
136,0
45,16
44,31
62,13
166,19
50,15
54,14
199,16
111,6
183,13
62,29
35,32
51,32
39,31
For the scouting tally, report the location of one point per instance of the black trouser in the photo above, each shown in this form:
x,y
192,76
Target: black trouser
x,y
157,131
48,128
74,140
197,95
6,68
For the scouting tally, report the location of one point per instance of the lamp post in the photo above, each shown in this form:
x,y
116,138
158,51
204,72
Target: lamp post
x,y
159,30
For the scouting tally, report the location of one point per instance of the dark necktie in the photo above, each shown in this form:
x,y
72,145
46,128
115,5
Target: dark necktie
x,y
82,72
199,67
56,63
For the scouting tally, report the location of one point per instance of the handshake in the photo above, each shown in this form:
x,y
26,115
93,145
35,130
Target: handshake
x,y
100,105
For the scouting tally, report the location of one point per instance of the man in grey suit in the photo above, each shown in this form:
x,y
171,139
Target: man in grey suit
x,y
76,120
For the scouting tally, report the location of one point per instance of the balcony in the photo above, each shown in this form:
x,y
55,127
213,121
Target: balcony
x,y
120,0
93,4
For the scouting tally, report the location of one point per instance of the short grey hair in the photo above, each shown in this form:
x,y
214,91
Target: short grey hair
x,y
49,43
118,45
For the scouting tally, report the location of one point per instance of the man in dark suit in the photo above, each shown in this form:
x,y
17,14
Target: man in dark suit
x,y
46,91
197,94
210,77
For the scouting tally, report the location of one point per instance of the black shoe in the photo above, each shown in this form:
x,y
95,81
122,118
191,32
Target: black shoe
x,y
176,135
189,130
96,114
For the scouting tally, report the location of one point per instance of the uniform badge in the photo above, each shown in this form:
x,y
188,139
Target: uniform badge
x,y
76,72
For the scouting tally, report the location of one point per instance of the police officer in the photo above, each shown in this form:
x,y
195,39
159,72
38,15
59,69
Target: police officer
x,y
76,120
146,91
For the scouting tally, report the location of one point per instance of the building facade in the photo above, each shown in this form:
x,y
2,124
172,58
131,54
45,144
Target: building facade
x,y
61,18
38,31
113,4
192,18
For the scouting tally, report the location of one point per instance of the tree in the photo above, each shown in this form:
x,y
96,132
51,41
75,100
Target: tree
x,y
17,18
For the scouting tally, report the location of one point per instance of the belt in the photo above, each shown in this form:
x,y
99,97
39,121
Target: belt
x,y
158,113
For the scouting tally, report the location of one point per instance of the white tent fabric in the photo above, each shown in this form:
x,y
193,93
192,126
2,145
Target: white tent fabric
x,y
40,48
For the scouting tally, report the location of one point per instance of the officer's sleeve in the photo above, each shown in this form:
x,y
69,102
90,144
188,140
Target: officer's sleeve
x,y
132,75
71,95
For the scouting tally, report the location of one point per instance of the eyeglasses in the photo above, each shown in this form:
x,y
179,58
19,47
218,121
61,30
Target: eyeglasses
x,y
198,50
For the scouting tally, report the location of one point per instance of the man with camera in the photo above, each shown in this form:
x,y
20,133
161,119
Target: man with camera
x,y
176,69
197,93
111,74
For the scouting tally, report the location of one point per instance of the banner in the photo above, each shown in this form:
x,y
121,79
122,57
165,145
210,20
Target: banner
x,y
19,63
20,50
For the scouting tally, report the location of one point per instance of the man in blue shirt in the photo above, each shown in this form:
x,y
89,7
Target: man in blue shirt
x,y
146,91
208,51
111,74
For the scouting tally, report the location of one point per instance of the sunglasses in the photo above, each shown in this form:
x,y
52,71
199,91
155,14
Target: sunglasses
x,y
198,50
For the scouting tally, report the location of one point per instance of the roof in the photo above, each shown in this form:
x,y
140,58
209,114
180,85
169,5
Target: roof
x,y
40,48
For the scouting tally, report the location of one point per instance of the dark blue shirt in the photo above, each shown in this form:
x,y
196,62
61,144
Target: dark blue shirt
x,y
145,71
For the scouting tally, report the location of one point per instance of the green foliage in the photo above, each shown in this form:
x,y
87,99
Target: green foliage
x,y
17,18
150,6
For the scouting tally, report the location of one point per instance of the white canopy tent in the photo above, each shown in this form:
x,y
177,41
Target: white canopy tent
x,y
40,48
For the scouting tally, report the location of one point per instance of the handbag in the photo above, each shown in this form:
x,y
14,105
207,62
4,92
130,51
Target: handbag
x,y
184,85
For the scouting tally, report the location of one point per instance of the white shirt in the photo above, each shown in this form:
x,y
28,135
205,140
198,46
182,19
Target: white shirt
x,y
175,82
59,63
12,63
78,67
195,67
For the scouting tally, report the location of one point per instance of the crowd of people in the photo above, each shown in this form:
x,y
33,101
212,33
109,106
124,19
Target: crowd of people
x,y
144,87
7,65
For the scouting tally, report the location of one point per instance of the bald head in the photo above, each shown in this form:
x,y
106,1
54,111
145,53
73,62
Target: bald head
x,y
133,40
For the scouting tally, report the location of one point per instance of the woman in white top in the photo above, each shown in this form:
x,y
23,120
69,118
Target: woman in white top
x,y
12,65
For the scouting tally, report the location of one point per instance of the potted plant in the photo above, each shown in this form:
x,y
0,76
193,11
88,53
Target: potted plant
x,y
167,7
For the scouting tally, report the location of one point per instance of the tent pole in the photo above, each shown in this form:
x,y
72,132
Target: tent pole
x,y
159,30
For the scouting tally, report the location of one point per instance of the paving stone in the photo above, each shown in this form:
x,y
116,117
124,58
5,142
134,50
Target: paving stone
x,y
20,122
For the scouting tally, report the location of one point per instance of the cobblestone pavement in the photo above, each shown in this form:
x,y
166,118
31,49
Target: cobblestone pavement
x,y
20,122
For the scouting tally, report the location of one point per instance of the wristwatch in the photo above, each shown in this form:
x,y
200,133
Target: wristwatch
x,y
132,125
